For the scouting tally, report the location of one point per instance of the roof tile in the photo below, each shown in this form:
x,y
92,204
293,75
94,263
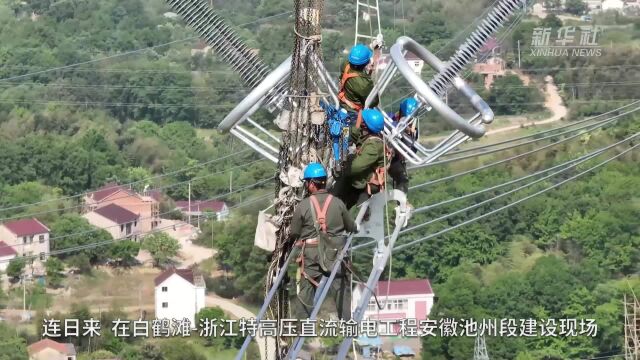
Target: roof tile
x,y
117,214
24,227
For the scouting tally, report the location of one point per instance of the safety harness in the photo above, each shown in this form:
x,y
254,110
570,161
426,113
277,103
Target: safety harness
x,y
320,216
379,174
342,96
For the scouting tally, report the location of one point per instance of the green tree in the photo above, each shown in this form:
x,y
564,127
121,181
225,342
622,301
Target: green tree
x,y
15,268
124,252
509,96
576,7
151,352
12,347
207,315
429,27
54,268
178,349
162,247
71,230
551,21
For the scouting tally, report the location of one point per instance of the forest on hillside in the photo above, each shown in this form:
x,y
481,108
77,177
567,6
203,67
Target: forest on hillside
x,y
126,115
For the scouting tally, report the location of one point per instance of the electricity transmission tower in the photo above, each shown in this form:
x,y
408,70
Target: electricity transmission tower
x,y
480,350
631,328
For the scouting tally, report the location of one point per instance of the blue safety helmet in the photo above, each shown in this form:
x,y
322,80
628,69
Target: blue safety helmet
x,y
408,106
314,170
374,120
360,55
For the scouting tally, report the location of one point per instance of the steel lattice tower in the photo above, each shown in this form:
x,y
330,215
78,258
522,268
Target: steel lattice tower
x,y
631,328
480,350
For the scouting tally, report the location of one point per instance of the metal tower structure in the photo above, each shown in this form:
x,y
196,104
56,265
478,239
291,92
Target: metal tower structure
x,y
294,91
367,22
480,349
631,328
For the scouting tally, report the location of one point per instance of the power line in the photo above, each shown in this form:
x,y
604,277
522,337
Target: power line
x,y
96,229
574,123
483,167
170,186
411,243
487,152
565,167
129,52
127,184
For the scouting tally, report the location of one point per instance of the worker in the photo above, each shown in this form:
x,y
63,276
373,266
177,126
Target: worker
x,y
365,173
318,229
355,86
398,167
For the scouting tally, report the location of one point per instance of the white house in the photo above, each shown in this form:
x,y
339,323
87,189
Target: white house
x,y
400,299
200,208
414,62
28,237
179,294
6,255
594,4
616,5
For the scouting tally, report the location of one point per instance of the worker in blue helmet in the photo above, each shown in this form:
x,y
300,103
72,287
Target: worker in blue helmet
x,y
398,167
318,231
355,85
355,81
366,171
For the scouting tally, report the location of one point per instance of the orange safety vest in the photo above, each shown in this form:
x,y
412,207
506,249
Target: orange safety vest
x,y
342,96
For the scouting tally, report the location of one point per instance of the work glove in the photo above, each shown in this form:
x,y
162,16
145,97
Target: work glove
x,y
378,42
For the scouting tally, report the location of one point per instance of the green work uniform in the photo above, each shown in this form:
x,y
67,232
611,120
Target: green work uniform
x,y
351,188
357,89
303,227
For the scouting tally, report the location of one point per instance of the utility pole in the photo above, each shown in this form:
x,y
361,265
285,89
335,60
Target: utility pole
x,y
631,328
480,350
189,205
230,181
519,64
24,297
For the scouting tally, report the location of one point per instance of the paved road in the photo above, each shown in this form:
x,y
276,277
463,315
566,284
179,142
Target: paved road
x,y
240,312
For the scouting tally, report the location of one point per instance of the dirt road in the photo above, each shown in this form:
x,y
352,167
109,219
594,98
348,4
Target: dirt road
x,y
553,103
240,312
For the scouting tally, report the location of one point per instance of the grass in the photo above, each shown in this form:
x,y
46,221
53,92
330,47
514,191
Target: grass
x,y
213,354
36,298
109,288
208,266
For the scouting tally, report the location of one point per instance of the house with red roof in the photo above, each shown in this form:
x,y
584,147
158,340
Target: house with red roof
x,y
399,299
116,220
201,207
491,69
7,253
27,237
179,294
47,349
146,205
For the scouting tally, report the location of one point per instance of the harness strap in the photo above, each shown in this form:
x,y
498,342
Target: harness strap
x,y
321,214
379,174
346,75
300,260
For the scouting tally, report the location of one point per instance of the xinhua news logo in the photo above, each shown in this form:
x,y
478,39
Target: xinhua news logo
x,y
569,41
